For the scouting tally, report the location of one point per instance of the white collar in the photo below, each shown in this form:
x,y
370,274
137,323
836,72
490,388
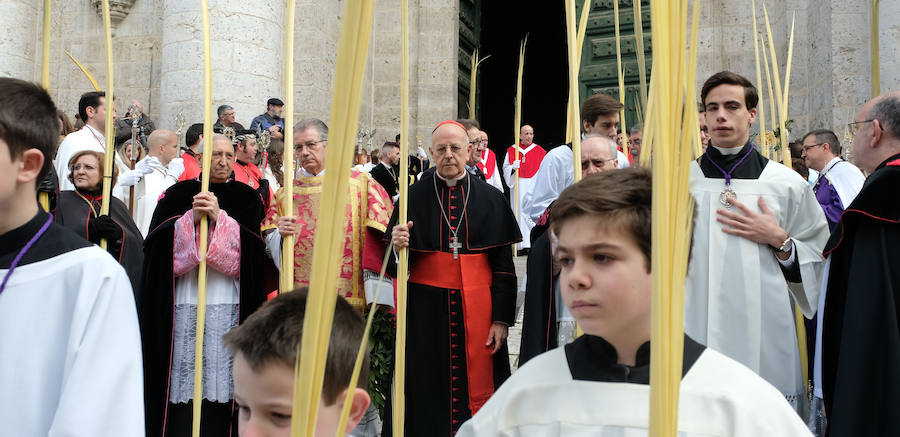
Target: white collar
x,y
527,149
95,132
729,150
307,174
451,182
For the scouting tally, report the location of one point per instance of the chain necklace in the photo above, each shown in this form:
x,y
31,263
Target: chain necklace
x,y
455,245
728,195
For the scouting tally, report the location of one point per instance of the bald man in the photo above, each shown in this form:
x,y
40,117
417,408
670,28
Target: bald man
x,y
163,168
462,288
526,164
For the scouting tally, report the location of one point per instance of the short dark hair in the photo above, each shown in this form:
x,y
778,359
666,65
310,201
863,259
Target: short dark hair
x,y
597,105
28,120
89,99
887,112
273,334
825,136
751,96
622,198
469,123
193,134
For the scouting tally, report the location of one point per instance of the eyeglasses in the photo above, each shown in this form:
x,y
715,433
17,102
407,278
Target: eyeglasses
x,y
442,150
312,145
855,125
806,147
634,142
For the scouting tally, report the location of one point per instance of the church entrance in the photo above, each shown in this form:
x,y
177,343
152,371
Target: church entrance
x,y
487,24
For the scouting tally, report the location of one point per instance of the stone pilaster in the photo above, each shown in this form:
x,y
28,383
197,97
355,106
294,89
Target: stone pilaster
x,y
246,43
20,42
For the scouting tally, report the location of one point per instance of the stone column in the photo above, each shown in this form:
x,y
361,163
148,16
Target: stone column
x,y
246,41
889,41
20,43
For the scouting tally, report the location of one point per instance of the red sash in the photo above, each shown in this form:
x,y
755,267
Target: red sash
x,y
439,269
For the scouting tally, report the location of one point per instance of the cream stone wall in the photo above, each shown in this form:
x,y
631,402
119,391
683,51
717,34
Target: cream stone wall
x,y
830,68
20,42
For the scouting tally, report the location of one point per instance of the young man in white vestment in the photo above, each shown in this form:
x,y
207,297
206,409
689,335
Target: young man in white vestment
x,y
757,251
70,349
598,385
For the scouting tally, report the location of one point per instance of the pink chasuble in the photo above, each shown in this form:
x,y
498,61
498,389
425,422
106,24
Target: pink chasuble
x,y
368,210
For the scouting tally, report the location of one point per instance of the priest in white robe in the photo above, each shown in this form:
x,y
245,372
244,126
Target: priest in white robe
x,y
758,239
166,169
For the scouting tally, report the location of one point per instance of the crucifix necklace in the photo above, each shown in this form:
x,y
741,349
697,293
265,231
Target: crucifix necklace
x,y
728,195
455,245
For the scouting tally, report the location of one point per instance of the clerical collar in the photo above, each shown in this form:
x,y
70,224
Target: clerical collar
x,y
729,150
13,241
592,358
451,182
893,161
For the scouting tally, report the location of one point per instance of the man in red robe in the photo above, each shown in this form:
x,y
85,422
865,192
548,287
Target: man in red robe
x,y
526,163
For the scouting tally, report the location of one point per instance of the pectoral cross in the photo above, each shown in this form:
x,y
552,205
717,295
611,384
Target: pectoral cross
x,y
455,245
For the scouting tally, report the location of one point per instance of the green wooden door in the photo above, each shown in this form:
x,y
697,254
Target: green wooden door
x,y
469,40
598,56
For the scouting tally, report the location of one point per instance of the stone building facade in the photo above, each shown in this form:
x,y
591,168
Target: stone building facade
x,y
159,59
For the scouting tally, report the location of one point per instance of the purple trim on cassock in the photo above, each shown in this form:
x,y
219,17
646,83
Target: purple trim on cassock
x,y
828,199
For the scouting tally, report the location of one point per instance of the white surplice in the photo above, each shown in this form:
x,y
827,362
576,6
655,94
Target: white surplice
x,y
86,138
737,299
70,349
146,195
718,397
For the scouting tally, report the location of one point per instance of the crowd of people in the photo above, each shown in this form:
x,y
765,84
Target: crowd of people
x,y
791,282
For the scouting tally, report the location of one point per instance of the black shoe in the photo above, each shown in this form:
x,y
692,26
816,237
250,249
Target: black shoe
x,y
522,252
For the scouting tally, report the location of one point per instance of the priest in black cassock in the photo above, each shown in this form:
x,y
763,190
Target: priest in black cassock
x,y
860,335
168,308
462,289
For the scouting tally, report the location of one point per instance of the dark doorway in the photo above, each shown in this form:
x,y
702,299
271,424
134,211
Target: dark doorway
x,y
544,81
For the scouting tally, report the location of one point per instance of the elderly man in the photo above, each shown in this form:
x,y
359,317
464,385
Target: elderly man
x,y
234,289
92,109
757,248
487,162
522,168
635,134
165,169
861,339
123,125
271,119
226,119
461,289
368,210
546,323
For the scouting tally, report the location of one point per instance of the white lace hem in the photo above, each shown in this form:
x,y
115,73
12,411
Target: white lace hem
x,y
217,361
